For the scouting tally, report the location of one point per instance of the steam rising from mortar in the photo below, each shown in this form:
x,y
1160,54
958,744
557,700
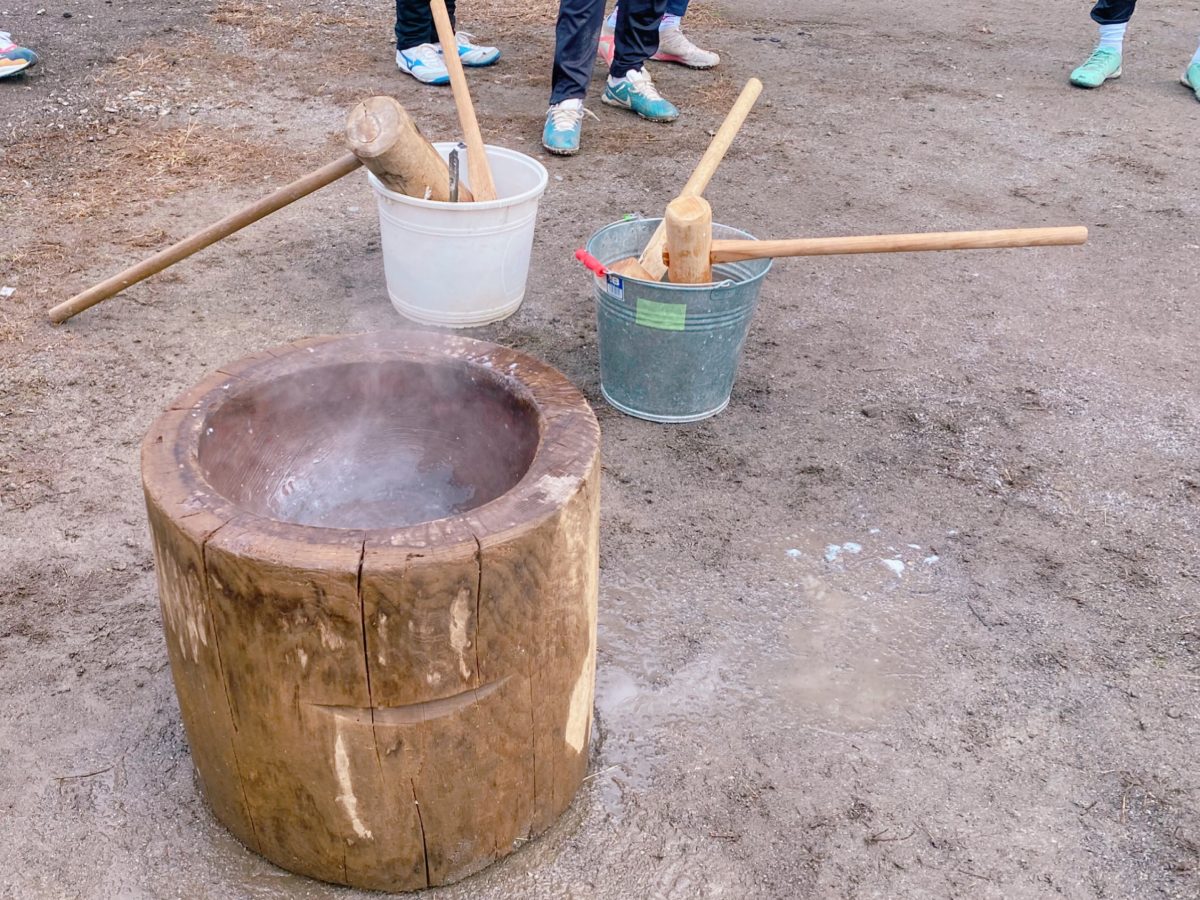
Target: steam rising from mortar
x,y
370,445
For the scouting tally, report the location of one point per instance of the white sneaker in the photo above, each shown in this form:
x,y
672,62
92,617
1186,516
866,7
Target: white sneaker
x,y
473,54
673,46
424,62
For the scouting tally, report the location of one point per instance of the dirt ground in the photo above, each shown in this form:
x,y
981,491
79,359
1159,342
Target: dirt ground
x,y
995,696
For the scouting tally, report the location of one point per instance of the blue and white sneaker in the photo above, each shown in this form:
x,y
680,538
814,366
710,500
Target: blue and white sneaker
x,y
475,55
636,91
424,62
564,125
14,59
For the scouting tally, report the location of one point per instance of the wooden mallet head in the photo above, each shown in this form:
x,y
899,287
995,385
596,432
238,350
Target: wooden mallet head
x,y
689,241
384,137
688,244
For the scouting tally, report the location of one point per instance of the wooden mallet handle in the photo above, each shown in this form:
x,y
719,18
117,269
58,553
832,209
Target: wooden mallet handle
x,y
480,171
651,258
736,251
302,187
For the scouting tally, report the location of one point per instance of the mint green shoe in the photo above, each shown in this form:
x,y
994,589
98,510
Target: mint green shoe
x,y
1192,78
636,91
1098,68
564,125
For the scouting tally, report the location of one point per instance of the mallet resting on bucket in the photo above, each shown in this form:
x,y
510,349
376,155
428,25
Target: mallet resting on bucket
x,y
691,252
649,266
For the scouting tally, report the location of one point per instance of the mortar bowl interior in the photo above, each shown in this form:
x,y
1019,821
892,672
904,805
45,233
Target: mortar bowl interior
x,y
370,445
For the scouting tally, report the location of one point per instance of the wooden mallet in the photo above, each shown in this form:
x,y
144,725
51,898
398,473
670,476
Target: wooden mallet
x,y
690,247
649,266
392,148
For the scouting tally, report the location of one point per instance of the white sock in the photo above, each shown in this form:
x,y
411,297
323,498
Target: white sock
x,y
1112,37
1195,59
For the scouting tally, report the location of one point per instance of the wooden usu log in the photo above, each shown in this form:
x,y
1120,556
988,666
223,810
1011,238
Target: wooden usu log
x,y
393,706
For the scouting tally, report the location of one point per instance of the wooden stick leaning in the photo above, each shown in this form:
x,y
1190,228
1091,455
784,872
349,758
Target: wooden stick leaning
x,y
482,184
735,251
649,266
301,187
399,156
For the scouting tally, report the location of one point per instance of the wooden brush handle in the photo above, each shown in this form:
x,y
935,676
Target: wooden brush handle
x,y
482,184
651,258
735,251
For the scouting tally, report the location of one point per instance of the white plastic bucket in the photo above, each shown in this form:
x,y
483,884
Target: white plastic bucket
x,y
462,264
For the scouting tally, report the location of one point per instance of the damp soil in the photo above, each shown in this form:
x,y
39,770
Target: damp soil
x,y
994,695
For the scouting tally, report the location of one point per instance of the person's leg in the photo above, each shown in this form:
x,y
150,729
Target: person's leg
x,y
414,24
576,38
416,53
433,35
1105,62
629,84
1113,12
14,59
636,34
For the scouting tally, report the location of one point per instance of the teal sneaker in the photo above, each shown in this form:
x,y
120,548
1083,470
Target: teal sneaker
x,y
1192,78
564,125
636,91
1098,68
14,59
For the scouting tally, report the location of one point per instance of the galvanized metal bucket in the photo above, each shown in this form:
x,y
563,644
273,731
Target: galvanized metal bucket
x,y
670,353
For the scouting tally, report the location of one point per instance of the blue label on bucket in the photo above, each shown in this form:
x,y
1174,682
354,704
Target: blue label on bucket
x,y
663,316
616,286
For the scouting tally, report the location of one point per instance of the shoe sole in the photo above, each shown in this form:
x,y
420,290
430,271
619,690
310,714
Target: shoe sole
x,y
604,98
9,71
683,62
1090,87
437,82
481,65
558,151
1187,84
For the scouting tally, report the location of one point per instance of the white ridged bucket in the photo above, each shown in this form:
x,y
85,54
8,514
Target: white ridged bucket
x,y
462,264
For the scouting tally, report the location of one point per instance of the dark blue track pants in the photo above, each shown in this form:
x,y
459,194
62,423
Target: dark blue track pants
x,y
578,37
1113,12
414,23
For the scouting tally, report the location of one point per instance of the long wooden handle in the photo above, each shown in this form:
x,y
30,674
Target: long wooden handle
x,y
735,251
651,258
301,187
482,184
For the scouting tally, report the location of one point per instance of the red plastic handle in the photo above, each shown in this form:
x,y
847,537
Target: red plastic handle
x,y
591,262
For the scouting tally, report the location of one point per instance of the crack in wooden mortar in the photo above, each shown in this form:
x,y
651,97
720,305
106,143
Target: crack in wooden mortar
x,y
412,713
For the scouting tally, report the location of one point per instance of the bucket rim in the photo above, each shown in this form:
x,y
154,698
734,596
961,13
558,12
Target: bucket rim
x,y
724,284
444,147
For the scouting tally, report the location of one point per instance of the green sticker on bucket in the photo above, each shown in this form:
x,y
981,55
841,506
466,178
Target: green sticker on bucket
x,y
663,316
